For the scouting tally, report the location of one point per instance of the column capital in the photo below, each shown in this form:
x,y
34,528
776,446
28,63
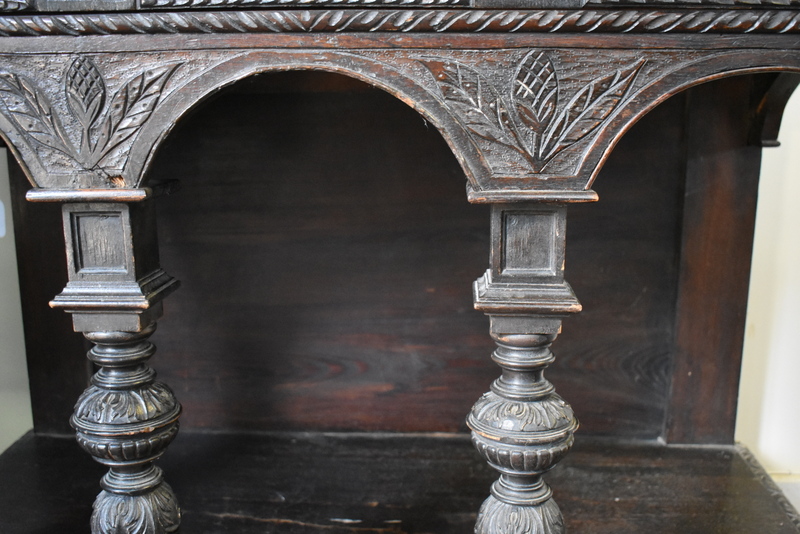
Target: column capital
x,y
115,280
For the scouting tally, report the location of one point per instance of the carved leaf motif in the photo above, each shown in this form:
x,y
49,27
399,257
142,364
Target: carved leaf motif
x,y
549,413
587,109
122,407
86,91
131,106
33,113
497,517
476,101
154,511
531,120
536,91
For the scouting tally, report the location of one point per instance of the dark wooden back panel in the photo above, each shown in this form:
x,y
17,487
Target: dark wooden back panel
x,y
327,251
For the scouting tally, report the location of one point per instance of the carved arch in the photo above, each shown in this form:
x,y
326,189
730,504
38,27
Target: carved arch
x,y
375,73
706,69
524,123
167,88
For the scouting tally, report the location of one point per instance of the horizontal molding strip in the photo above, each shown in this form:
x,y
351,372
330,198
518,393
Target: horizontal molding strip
x,y
730,21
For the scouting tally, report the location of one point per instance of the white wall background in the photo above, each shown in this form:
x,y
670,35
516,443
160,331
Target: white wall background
x,y
15,405
769,394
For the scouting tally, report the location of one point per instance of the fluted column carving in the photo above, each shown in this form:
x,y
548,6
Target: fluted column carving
x,y
521,427
126,418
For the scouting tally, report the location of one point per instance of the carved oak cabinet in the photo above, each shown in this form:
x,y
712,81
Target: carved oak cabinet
x,y
531,96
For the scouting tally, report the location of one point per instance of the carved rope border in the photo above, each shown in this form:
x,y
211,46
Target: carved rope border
x,y
409,20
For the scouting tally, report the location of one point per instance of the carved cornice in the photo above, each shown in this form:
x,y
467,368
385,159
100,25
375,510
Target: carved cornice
x,y
13,5
690,3
100,6
194,4
411,20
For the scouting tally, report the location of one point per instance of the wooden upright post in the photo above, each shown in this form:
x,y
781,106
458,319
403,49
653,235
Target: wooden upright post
x,y
125,419
522,427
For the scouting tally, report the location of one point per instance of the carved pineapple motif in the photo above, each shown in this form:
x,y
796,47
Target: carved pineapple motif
x,y
106,122
535,117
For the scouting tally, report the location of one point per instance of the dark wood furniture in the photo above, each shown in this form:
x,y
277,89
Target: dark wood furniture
x,y
350,311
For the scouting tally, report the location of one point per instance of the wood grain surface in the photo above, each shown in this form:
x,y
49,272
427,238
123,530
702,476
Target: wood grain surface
x,y
318,292
383,484
717,244
326,284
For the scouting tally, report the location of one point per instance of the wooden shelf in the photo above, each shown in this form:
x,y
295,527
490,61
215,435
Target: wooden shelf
x,y
388,484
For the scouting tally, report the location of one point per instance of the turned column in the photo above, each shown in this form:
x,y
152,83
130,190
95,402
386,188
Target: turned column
x,y
522,428
125,419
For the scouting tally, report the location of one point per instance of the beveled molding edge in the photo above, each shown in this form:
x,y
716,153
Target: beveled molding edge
x,y
99,6
530,195
645,20
155,189
769,484
549,298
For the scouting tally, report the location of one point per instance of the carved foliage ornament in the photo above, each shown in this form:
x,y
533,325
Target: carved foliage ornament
x,y
497,517
152,512
535,117
124,407
543,415
102,123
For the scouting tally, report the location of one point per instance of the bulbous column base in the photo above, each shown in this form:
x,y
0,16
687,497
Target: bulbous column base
x,y
497,517
154,512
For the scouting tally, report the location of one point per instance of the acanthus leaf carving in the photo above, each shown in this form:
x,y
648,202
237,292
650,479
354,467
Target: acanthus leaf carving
x,y
132,105
587,109
531,118
30,109
148,403
543,415
150,513
497,517
476,100
105,123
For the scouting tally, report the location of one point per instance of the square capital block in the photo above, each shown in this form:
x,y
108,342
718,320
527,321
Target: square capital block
x,y
115,280
528,242
110,241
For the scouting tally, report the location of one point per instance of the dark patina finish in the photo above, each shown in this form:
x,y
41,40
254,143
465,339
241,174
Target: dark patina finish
x,y
530,95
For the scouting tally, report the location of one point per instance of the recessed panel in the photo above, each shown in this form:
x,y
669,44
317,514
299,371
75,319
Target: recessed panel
x,y
529,243
99,241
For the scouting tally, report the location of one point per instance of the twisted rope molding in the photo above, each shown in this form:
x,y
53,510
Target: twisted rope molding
x,y
691,3
193,4
190,4
382,20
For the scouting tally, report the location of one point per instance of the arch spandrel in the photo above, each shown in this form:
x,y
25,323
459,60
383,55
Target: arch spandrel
x,y
524,123
94,121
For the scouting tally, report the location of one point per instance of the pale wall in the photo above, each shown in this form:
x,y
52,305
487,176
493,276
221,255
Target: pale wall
x,y
769,396
15,405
